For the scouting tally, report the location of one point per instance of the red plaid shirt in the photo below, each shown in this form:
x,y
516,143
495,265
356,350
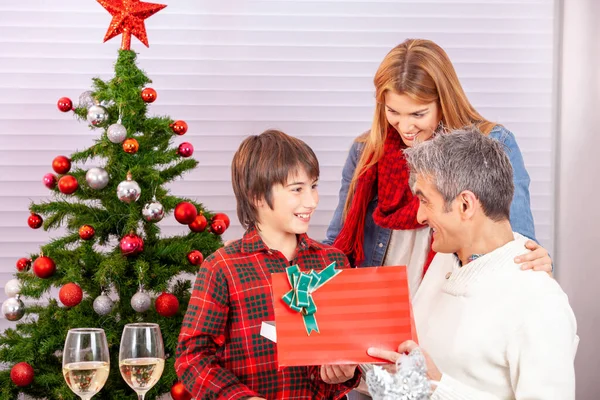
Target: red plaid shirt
x,y
221,354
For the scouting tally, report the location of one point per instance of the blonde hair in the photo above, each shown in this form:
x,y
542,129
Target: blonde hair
x,y
421,70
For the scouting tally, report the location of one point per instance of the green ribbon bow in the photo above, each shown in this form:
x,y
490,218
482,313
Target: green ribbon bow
x,y
300,299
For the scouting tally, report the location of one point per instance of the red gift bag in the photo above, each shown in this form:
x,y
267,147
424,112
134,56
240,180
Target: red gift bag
x,y
355,309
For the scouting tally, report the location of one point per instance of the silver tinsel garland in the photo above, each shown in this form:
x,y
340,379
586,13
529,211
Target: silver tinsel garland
x,y
408,383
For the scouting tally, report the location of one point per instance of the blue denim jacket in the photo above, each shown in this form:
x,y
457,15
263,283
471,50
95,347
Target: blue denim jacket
x,y
377,238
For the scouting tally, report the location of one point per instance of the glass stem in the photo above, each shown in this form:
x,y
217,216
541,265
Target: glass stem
x,y
141,396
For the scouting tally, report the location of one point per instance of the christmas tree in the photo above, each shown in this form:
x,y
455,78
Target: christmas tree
x,y
112,259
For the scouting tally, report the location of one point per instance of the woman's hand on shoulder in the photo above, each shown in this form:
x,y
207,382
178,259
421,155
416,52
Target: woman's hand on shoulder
x,y
538,259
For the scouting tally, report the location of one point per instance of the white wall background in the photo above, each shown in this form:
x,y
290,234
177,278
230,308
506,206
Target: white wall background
x,y
578,190
232,68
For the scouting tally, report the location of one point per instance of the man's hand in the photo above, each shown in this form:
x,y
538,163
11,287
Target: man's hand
x,y
433,373
255,398
334,374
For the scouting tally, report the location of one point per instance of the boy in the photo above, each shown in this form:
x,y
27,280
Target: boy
x,y
221,354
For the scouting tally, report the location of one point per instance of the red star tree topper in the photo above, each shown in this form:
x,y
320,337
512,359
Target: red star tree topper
x,y
128,19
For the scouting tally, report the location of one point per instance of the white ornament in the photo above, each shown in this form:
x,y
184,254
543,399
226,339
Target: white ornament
x,y
87,100
103,305
96,178
116,133
140,302
12,287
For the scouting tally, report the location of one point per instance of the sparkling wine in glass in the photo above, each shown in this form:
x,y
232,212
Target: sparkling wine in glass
x,y
141,356
86,361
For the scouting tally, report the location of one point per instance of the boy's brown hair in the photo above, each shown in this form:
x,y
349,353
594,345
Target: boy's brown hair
x,y
265,160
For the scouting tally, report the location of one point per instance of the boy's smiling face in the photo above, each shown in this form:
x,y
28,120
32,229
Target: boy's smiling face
x,y
293,206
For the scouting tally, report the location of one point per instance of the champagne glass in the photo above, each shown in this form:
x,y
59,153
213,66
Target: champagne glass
x,y
141,356
86,361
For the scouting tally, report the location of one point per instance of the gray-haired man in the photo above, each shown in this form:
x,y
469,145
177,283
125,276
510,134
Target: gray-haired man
x,y
489,329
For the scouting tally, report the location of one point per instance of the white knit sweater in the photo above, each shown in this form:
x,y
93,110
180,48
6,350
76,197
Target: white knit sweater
x,y
494,331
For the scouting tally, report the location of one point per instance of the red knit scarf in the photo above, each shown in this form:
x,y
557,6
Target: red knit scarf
x,y
396,207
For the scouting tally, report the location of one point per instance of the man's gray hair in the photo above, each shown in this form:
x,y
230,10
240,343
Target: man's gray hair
x,y
466,160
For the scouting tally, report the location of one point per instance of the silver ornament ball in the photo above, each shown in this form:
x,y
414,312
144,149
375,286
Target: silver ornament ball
x,y
128,191
153,211
116,133
87,100
13,309
140,302
96,178
103,305
97,115
12,287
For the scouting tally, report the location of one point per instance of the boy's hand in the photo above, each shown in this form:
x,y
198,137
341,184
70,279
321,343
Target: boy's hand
x,y
255,398
337,373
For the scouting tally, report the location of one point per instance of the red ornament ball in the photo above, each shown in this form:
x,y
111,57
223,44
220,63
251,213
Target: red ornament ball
x,y
22,374
179,127
131,245
222,217
86,232
185,213
218,226
131,146
199,224
195,257
61,164
68,184
23,264
178,392
64,104
49,180
148,95
70,294
35,221
44,267
166,304
185,149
